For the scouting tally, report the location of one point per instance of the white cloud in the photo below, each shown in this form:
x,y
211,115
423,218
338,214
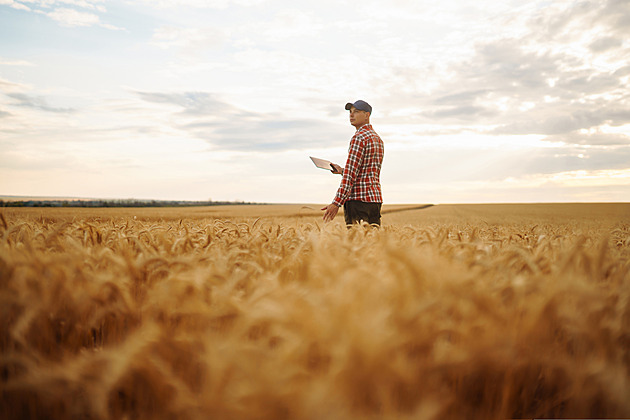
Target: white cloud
x,y
45,4
14,4
7,86
527,84
50,3
199,4
93,4
72,17
584,178
36,102
22,63
227,127
190,39
69,13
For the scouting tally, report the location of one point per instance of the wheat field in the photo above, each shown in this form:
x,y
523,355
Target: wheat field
x,y
264,312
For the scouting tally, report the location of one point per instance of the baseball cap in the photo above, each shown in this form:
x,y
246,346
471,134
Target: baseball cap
x,y
362,105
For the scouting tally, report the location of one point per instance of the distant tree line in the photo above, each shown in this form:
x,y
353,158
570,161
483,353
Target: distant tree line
x,y
117,203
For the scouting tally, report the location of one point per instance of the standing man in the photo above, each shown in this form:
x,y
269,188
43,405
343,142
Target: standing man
x,y
360,188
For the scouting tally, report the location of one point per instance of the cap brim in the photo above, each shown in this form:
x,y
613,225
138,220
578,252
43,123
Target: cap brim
x,y
348,106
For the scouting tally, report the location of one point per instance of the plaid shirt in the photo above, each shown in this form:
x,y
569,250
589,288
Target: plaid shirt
x,y
361,175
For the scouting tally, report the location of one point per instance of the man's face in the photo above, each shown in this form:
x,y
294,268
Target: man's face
x,y
358,117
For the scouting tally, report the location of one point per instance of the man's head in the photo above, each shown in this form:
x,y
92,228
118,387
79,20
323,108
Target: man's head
x,y
360,112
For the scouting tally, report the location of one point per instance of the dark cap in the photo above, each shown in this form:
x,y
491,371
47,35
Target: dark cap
x,y
362,105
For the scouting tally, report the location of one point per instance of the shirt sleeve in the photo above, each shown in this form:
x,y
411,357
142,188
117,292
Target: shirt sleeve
x,y
350,172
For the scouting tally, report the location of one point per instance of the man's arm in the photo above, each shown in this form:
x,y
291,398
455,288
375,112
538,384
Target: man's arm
x,y
350,172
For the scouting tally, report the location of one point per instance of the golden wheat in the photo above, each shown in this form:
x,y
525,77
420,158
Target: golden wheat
x,y
266,313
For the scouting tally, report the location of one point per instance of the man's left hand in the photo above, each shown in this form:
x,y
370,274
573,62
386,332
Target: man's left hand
x,y
330,211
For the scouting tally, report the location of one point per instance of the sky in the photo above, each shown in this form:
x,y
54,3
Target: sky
x,y
479,101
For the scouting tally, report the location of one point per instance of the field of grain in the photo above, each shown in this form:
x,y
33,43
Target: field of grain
x,y
264,312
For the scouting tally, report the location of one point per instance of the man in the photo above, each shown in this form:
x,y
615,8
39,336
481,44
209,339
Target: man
x,y
360,188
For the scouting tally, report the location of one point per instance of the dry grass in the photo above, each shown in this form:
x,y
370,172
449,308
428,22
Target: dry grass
x,y
265,313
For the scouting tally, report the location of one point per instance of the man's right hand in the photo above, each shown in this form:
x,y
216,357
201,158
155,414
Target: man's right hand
x,y
330,211
336,169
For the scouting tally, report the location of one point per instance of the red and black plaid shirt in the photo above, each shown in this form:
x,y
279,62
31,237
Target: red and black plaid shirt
x,y
361,175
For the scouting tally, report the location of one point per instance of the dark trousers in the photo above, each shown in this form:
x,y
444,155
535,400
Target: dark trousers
x,y
359,211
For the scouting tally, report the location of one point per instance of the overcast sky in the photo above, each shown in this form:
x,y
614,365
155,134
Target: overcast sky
x,y
476,101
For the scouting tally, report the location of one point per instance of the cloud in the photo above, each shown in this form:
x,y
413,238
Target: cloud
x,y
14,4
4,114
199,4
605,43
66,12
567,72
285,25
461,113
168,36
193,103
227,127
597,138
71,17
87,4
36,102
7,86
575,118
554,160
616,13
262,134
474,164
21,63
44,4
458,97
622,71
560,22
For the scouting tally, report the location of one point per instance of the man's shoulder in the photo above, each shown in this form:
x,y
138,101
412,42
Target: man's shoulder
x,y
366,129
367,132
